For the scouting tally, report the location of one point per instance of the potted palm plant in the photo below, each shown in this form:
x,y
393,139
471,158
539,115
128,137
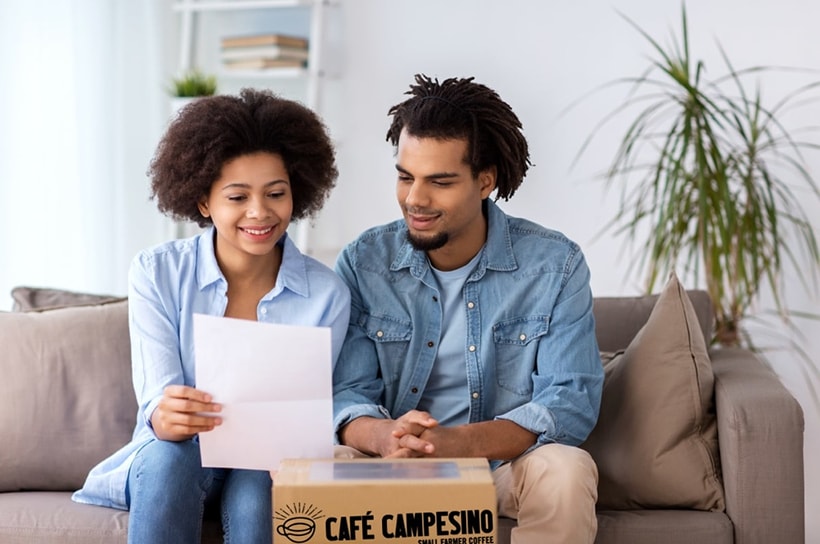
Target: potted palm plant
x,y
714,180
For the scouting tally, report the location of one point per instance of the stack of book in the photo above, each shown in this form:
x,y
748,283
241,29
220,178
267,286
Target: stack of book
x,y
262,51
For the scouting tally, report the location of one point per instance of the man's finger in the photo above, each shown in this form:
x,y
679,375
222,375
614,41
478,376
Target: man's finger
x,y
416,444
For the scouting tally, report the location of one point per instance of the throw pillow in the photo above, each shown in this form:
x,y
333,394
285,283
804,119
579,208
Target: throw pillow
x,y
655,443
36,298
66,391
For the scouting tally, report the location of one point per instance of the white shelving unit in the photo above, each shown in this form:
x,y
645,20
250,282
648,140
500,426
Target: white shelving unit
x,y
310,77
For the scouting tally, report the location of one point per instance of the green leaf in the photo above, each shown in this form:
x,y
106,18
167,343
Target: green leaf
x,y
193,83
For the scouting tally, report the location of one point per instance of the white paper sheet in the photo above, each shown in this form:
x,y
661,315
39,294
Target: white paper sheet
x,y
274,384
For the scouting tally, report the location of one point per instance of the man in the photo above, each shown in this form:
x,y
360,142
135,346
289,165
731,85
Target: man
x,y
471,332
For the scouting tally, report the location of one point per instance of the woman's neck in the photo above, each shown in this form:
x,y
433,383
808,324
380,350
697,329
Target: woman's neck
x,y
249,279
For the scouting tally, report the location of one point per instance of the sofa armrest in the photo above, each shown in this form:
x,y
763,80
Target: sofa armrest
x,y
760,431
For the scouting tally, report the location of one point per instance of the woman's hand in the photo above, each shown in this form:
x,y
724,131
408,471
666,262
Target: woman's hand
x,y
180,413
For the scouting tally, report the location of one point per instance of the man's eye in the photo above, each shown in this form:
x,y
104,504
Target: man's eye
x,y
405,178
442,183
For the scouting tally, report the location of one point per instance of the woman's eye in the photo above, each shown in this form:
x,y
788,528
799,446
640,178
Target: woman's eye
x,y
236,198
277,194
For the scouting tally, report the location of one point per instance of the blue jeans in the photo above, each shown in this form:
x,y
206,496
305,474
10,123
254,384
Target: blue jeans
x,y
169,490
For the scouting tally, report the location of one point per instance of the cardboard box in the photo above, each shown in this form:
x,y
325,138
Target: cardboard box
x,y
419,501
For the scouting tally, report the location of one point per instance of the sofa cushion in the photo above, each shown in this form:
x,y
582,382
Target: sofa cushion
x,y
66,393
655,443
34,298
618,319
51,517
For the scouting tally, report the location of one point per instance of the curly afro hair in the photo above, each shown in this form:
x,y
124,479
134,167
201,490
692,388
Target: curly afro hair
x,y
461,109
213,130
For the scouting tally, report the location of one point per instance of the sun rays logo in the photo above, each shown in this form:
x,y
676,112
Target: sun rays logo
x,y
298,521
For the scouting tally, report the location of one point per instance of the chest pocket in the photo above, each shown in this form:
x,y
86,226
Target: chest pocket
x,y
516,348
391,336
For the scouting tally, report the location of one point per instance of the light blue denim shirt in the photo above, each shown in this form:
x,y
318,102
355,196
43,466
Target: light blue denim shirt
x,y
167,285
532,357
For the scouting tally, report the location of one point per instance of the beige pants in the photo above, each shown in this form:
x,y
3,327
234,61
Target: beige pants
x,y
551,491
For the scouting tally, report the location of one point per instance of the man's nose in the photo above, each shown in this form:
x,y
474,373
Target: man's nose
x,y
416,195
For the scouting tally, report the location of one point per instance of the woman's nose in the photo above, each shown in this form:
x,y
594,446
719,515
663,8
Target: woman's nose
x,y
257,208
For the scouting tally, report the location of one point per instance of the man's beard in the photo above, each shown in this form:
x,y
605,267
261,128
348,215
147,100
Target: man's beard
x,y
437,241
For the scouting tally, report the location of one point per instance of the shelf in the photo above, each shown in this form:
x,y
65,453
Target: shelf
x,y
227,5
272,73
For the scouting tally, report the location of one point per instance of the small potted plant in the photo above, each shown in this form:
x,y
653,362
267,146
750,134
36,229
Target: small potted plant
x,y
189,86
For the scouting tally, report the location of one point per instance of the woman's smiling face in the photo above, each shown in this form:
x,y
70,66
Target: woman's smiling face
x,y
250,205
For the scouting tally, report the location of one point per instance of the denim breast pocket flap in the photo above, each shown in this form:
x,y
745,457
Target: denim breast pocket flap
x,y
521,330
387,329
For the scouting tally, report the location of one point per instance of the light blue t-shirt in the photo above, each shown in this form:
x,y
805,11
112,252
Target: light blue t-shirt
x,y
168,284
447,396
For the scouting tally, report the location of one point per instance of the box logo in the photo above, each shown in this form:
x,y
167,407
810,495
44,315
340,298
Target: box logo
x,y
298,521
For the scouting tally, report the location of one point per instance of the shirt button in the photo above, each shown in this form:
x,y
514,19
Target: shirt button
x,y
471,305
414,390
522,337
379,334
430,344
471,348
475,394
264,311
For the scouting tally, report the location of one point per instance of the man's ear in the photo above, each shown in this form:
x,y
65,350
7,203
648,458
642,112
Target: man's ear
x,y
486,181
203,207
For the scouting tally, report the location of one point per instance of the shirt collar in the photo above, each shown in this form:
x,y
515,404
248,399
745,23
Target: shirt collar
x,y
292,271
497,253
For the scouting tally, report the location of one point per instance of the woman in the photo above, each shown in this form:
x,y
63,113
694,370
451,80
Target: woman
x,y
244,166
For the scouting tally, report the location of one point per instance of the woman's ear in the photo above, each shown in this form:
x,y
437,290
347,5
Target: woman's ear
x,y
203,208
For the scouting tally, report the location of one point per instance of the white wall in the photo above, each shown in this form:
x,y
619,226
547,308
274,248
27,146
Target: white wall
x,y
82,104
541,57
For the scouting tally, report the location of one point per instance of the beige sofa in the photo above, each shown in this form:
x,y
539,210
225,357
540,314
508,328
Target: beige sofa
x,y
67,403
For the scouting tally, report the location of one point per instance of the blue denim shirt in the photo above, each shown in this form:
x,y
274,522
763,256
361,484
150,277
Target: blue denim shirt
x,y
167,285
530,349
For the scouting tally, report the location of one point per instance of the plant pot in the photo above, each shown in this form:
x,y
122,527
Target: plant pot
x,y
179,102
